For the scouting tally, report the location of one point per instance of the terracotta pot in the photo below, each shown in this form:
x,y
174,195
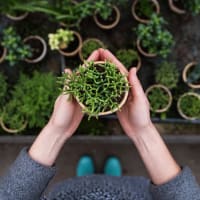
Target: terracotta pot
x,y
87,40
3,55
74,52
146,54
120,104
169,95
17,18
175,9
109,26
185,74
44,46
139,63
179,107
155,2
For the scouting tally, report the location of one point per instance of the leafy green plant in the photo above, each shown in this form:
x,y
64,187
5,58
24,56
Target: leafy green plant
x,y
61,39
99,88
16,49
127,57
3,90
192,6
194,75
154,37
167,74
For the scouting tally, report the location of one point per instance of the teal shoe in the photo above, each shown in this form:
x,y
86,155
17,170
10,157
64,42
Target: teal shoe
x,y
113,167
85,166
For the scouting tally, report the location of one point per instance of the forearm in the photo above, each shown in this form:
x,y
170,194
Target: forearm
x,y
155,155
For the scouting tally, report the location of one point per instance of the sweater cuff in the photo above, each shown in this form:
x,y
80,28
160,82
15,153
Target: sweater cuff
x,y
183,186
26,178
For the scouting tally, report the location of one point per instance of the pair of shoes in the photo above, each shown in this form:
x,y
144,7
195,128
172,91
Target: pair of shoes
x,y
85,166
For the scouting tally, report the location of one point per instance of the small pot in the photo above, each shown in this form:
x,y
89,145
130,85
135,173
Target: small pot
x,y
139,63
67,52
17,18
3,52
155,2
175,8
185,73
108,26
169,95
90,39
120,104
150,55
37,44
179,107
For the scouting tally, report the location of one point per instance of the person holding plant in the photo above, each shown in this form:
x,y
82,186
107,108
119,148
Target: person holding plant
x,y
28,177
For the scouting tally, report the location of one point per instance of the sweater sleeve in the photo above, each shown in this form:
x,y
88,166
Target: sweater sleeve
x,y
25,179
183,187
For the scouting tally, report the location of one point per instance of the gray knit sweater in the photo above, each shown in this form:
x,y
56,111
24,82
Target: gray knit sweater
x,y
27,180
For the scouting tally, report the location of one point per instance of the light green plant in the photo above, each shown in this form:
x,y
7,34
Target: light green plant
x,y
192,6
61,39
194,75
99,87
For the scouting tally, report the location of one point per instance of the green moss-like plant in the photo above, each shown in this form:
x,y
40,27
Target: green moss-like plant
x,y
192,6
127,56
3,91
154,38
194,75
167,74
99,88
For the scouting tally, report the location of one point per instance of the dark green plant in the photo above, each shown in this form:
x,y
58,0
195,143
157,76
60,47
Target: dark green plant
x,y
194,75
154,37
99,87
190,106
127,57
3,91
192,6
167,74
16,49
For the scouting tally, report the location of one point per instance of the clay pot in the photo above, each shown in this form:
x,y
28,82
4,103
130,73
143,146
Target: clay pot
x,y
185,73
120,104
67,52
37,44
168,93
108,26
146,54
157,6
85,42
179,107
139,63
17,18
3,53
175,8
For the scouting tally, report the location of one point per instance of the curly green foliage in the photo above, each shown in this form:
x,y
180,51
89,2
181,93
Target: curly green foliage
x,y
167,74
154,37
89,46
16,49
194,75
145,8
158,98
127,57
190,106
3,90
192,6
99,87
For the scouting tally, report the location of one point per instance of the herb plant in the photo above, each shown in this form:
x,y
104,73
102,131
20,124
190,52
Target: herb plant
x,y
167,74
3,90
16,49
192,6
154,37
194,75
99,87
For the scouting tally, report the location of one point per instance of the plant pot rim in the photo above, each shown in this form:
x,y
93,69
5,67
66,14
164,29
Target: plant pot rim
x,y
110,26
3,54
120,104
44,52
17,18
69,54
150,55
175,8
179,102
155,2
169,95
9,130
139,64
184,75
85,41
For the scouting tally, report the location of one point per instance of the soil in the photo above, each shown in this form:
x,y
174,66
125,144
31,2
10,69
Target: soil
x,y
1,51
72,45
179,4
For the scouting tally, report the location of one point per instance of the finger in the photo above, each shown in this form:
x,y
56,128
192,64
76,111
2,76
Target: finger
x,y
94,56
67,71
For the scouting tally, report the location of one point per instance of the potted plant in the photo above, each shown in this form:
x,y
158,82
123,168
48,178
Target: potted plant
x,y
177,6
153,39
167,74
160,98
3,52
89,46
129,58
67,42
191,75
143,9
189,106
16,49
99,87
